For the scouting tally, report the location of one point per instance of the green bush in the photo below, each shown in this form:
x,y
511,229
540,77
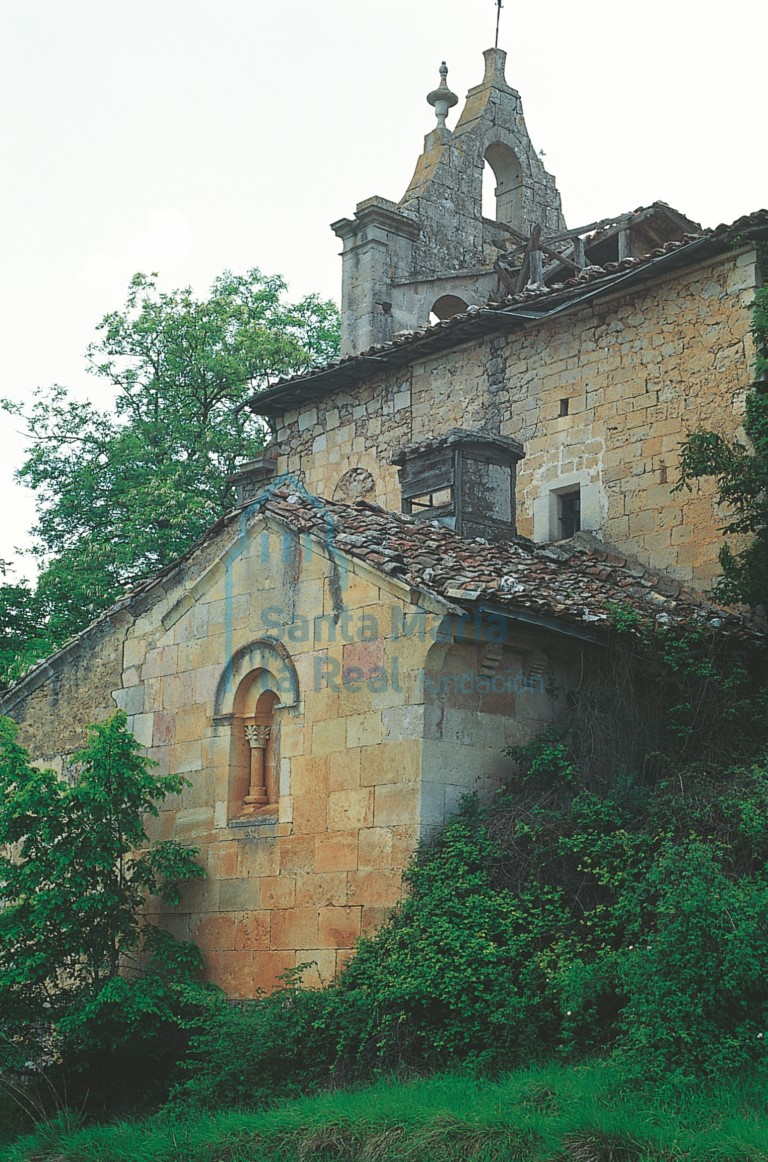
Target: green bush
x,y
454,976
248,1055
94,1000
556,921
697,995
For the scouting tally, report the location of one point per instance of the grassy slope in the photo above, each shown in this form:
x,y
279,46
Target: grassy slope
x,y
586,1113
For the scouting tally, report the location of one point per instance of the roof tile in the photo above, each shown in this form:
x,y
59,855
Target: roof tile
x,y
577,581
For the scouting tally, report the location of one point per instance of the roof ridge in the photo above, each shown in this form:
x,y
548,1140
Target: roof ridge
x,y
494,310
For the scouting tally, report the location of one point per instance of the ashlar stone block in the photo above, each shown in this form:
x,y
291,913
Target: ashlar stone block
x,y
350,809
294,928
339,927
336,851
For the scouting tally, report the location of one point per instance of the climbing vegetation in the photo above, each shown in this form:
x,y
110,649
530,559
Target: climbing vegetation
x,y
741,476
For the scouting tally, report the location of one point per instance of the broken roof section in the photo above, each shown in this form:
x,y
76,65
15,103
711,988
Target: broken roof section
x,y
544,259
535,302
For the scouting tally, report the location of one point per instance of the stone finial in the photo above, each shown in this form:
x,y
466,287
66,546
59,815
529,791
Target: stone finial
x,y
442,98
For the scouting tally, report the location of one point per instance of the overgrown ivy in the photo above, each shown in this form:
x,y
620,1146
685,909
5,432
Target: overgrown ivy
x,y
741,477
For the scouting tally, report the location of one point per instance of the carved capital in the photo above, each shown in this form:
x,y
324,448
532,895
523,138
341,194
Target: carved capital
x,y
257,735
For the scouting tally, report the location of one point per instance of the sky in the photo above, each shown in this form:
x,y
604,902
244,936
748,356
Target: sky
x,y
192,136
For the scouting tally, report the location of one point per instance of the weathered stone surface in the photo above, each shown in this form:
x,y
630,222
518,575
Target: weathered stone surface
x,y
633,396
386,729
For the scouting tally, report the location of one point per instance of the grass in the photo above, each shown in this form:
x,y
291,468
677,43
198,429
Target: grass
x,y
555,1113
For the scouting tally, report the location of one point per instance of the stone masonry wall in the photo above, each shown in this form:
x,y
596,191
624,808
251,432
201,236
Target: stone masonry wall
x,y
639,371
389,712
482,698
351,429
301,879
64,699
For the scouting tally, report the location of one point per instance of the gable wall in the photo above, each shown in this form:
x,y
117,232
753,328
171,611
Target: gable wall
x,y
639,372
390,712
368,760
297,882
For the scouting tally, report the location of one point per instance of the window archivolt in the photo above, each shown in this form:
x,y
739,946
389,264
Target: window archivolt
x,y
257,685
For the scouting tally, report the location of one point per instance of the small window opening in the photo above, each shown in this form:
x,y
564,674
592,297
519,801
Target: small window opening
x,y
564,407
568,513
437,499
502,192
446,307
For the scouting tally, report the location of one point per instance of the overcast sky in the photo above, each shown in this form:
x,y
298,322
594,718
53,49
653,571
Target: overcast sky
x,y
192,136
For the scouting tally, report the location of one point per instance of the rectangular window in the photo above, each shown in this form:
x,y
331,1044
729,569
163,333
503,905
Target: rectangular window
x,y
438,499
568,513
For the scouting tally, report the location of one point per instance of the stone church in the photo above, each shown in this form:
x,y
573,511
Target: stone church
x,y
424,562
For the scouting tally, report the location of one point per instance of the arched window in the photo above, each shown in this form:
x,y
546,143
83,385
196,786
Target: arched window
x,y
254,751
508,173
446,307
257,689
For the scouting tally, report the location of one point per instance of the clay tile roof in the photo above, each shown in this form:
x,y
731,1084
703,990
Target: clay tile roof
x,y
578,583
532,303
571,586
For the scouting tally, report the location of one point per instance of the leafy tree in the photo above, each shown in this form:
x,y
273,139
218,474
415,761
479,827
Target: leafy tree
x,y
20,642
741,475
122,491
82,972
